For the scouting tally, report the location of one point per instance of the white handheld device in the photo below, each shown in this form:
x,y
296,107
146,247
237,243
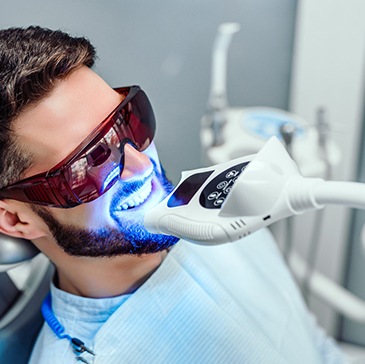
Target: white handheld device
x,y
228,201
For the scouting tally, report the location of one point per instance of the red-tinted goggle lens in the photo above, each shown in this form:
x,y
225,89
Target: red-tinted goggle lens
x,y
96,164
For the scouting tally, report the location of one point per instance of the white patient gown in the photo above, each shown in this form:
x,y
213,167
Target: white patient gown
x,y
230,304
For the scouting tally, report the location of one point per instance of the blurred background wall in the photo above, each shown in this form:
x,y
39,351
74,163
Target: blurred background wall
x,y
165,46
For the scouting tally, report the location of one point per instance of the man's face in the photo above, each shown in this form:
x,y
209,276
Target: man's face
x,y
112,224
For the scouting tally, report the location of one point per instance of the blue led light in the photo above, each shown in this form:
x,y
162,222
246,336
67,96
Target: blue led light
x,y
111,177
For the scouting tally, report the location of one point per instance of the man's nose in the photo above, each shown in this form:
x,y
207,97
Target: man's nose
x,y
136,164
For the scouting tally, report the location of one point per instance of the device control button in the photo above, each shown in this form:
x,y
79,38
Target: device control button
x,y
219,201
222,185
214,195
232,173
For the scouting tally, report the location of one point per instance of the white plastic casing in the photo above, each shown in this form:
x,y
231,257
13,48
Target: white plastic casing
x,y
254,197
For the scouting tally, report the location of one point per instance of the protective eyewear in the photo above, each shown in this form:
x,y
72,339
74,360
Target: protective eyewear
x,y
97,163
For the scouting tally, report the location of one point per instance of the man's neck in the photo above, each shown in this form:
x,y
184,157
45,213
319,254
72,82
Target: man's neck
x,y
106,277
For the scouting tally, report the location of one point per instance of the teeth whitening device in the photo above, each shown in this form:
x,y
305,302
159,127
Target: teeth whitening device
x,y
231,200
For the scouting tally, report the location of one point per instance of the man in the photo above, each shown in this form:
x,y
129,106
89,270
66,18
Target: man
x,y
78,172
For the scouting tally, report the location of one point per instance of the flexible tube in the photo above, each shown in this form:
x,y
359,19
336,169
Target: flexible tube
x,y
305,194
351,194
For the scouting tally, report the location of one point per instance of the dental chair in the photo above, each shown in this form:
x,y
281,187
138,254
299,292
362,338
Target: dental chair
x,y
25,275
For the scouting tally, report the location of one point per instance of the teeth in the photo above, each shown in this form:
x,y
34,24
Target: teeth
x,y
138,198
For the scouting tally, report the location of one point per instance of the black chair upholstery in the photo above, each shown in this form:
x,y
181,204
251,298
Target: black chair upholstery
x,y
8,293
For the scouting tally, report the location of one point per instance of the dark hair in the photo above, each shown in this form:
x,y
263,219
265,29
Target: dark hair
x,y
32,60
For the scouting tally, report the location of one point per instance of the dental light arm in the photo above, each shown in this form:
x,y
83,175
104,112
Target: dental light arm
x,y
217,104
229,201
218,93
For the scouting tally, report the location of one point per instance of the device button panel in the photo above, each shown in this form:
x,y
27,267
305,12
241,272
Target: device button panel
x,y
216,191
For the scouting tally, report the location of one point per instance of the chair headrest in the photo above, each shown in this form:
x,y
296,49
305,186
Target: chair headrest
x,y
14,251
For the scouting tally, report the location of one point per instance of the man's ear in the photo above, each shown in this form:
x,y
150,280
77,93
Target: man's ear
x,y
18,220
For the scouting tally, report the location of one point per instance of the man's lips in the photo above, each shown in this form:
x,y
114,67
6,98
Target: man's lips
x,y
137,198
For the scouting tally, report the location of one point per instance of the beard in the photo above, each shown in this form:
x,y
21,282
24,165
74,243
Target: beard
x,y
130,236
